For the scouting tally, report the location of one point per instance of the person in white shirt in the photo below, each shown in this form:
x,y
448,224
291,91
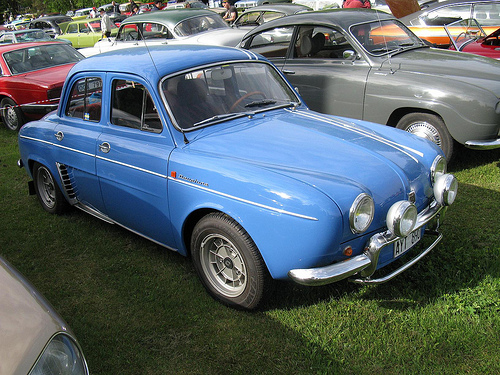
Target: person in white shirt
x,y
105,23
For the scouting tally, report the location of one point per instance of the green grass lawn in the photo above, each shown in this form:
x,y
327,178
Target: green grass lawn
x,y
137,308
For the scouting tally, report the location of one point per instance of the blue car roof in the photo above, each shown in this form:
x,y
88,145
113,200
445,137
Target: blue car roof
x,y
167,59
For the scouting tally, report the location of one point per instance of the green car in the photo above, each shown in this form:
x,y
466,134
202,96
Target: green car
x,y
83,33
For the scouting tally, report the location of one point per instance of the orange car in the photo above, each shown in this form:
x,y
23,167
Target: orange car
x,y
429,22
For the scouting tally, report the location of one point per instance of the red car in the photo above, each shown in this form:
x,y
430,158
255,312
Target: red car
x,y
31,80
468,36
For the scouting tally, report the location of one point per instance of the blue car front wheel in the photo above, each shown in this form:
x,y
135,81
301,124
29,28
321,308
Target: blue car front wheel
x,y
228,261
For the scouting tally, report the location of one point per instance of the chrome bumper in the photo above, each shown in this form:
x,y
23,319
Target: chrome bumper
x,y
40,109
483,145
364,265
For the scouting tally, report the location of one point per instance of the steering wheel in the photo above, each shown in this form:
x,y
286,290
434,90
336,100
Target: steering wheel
x,y
235,104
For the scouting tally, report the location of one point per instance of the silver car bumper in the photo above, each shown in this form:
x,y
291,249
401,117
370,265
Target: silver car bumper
x,y
483,145
364,265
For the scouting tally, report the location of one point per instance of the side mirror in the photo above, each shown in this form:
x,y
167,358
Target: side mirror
x,y
349,55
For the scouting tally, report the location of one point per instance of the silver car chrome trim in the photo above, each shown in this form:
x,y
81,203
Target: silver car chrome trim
x,y
483,145
242,199
96,156
402,268
131,166
331,273
364,264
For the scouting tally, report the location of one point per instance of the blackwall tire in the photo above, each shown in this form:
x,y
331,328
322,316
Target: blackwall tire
x,y
428,126
228,262
49,195
12,116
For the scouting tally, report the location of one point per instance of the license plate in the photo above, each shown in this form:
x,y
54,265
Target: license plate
x,y
404,244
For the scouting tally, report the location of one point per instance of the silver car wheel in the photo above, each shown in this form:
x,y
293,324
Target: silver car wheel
x,y
223,264
425,130
428,126
46,187
11,114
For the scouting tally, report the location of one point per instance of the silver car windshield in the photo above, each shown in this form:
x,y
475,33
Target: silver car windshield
x,y
195,25
385,37
223,92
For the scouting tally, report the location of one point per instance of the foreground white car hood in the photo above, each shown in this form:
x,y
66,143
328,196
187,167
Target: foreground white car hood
x,y
222,37
27,322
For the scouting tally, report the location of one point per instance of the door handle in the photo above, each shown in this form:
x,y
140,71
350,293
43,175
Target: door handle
x,y
285,71
59,135
105,147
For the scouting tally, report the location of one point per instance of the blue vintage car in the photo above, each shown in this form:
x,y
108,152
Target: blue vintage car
x,y
209,152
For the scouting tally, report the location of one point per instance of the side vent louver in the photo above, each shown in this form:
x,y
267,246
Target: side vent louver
x,y
68,183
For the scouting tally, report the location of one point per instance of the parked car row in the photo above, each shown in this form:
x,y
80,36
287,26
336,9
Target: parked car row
x,y
375,64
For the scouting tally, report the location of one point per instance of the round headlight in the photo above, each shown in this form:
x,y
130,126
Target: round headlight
x,y
361,213
401,218
438,168
445,189
61,356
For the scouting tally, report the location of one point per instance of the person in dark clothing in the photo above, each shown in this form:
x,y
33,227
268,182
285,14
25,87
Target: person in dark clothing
x,y
231,12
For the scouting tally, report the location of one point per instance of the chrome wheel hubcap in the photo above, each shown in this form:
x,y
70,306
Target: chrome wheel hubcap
x,y
46,187
425,130
11,118
223,265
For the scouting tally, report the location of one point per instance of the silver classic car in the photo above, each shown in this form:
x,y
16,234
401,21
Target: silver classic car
x,y
34,339
365,64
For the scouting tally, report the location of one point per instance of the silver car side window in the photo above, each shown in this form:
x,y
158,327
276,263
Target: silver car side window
x,y
321,43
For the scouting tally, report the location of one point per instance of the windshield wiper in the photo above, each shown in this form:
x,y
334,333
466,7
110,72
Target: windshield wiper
x,y
221,117
260,103
412,47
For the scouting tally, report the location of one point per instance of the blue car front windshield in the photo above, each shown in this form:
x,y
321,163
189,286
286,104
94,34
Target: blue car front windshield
x,y
210,95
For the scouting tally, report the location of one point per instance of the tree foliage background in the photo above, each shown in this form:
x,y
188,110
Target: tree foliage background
x,y
43,6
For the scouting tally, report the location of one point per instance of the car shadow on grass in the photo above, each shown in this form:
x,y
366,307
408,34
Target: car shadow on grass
x,y
465,158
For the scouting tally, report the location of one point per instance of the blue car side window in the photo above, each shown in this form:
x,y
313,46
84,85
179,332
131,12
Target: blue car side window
x,y
133,107
85,99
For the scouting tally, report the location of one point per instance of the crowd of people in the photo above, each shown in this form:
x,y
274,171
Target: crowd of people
x,y
229,15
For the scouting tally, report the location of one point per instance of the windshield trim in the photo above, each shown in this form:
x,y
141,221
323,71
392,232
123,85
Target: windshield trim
x,y
396,22
294,103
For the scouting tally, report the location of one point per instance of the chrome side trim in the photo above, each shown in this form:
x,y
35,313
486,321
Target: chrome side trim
x,y
179,181
103,217
131,166
365,264
243,200
483,145
95,213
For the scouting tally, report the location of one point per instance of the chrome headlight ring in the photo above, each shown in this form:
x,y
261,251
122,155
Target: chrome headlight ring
x,y
401,218
445,189
361,213
438,168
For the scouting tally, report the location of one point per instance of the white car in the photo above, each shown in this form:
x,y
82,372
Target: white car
x,y
34,340
186,26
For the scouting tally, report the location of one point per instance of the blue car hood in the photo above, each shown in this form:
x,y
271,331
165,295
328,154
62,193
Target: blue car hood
x,y
337,156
